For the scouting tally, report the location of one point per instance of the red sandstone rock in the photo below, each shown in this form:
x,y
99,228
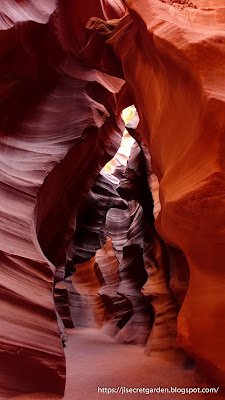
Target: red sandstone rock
x,y
113,8
61,297
179,72
52,116
133,276
12,12
87,308
50,124
155,258
90,231
127,314
179,273
118,308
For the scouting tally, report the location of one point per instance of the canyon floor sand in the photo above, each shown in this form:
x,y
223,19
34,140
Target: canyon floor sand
x,y
95,360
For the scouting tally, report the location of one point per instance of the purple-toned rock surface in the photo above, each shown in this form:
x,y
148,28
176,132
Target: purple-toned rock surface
x,y
67,71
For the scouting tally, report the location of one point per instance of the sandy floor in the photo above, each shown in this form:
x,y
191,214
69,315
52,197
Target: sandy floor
x,y
95,360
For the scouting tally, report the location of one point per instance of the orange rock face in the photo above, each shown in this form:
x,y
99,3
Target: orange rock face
x,y
48,110
67,71
87,308
179,53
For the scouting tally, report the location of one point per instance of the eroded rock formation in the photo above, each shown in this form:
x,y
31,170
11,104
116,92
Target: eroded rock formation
x,y
178,48
122,266
62,89
155,258
118,308
127,315
87,308
53,135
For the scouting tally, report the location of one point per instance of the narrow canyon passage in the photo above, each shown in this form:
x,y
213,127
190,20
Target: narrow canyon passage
x,y
94,360
112,198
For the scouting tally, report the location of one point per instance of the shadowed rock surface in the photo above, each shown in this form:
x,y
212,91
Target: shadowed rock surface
x,y
49,127
179,56
68,69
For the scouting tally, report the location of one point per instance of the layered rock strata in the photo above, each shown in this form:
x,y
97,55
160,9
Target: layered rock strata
x,y
87,308
60,123
133,275
155,259
62,303
118,308
90,232
55,138
178,48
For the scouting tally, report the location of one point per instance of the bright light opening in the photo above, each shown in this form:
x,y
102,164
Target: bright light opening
x,y
123,153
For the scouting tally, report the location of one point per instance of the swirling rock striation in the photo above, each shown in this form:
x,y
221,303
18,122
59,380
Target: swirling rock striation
x,y
55,138
118,308
179,55
87,308
60,123
154,257
90,233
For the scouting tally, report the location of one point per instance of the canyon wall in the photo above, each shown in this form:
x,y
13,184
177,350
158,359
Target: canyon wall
x,y
173,55
130,270
55,137
65,79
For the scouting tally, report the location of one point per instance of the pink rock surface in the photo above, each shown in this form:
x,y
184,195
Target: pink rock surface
x,y
13,11
87,308
118,308
178,48
47,114
60,123
155,259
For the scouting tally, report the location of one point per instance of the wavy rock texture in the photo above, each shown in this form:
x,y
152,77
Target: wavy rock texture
x,y
118,308
121,273
179,275
53,134
113,9
104,212
90,264
178,48
96,147
154,258
90,233
87,308
60,123
62,301
13,11
133,275
137,247
125,229
72,18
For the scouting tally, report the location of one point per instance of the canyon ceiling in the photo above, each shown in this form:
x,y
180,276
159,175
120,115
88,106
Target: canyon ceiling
x,y
146,271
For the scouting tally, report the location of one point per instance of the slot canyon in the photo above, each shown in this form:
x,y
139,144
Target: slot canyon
x,y
112,205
